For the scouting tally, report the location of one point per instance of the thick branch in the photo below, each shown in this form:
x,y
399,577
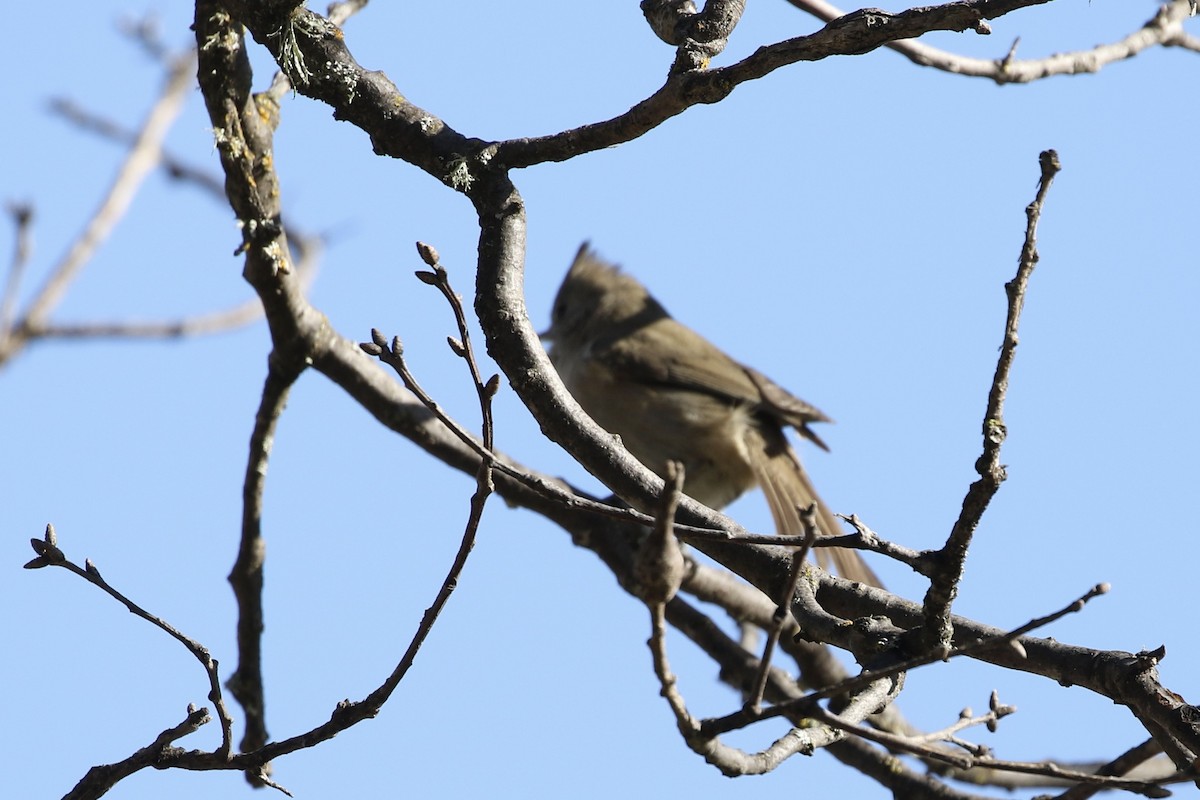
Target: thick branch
x,y
312,51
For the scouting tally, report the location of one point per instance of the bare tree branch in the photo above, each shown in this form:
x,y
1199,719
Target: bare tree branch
x,y
808,518
143,157
100,779
246,576
176,167
937,632
22,217
1164,29
49,555
888,635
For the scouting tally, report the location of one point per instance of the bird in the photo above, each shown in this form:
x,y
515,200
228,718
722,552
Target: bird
x,y
672,395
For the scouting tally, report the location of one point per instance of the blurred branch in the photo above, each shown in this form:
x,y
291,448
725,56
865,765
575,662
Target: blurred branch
x,y
1183,41
146,151
1124,764
176,167
142,158
308,252
146,32
22,217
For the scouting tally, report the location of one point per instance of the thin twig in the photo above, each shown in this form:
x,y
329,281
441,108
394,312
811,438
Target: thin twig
x,y
738,668
484,484
1119,766
392,355
49,555
866,539
731,761
808,518
688,726
967,719
370,705
462,348
1165,29
347,713
938,630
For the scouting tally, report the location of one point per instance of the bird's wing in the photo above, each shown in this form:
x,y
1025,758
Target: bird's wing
x,y
667,353
788,408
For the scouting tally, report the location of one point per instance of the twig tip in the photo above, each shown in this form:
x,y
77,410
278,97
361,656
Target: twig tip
x,y
428,254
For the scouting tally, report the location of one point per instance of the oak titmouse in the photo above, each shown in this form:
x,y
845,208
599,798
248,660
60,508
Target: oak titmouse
x,y
670,394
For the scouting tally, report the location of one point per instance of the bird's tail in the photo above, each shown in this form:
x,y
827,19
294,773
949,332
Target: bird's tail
x,y
788,489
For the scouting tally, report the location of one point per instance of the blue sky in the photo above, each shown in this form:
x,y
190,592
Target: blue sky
x,y
845,226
